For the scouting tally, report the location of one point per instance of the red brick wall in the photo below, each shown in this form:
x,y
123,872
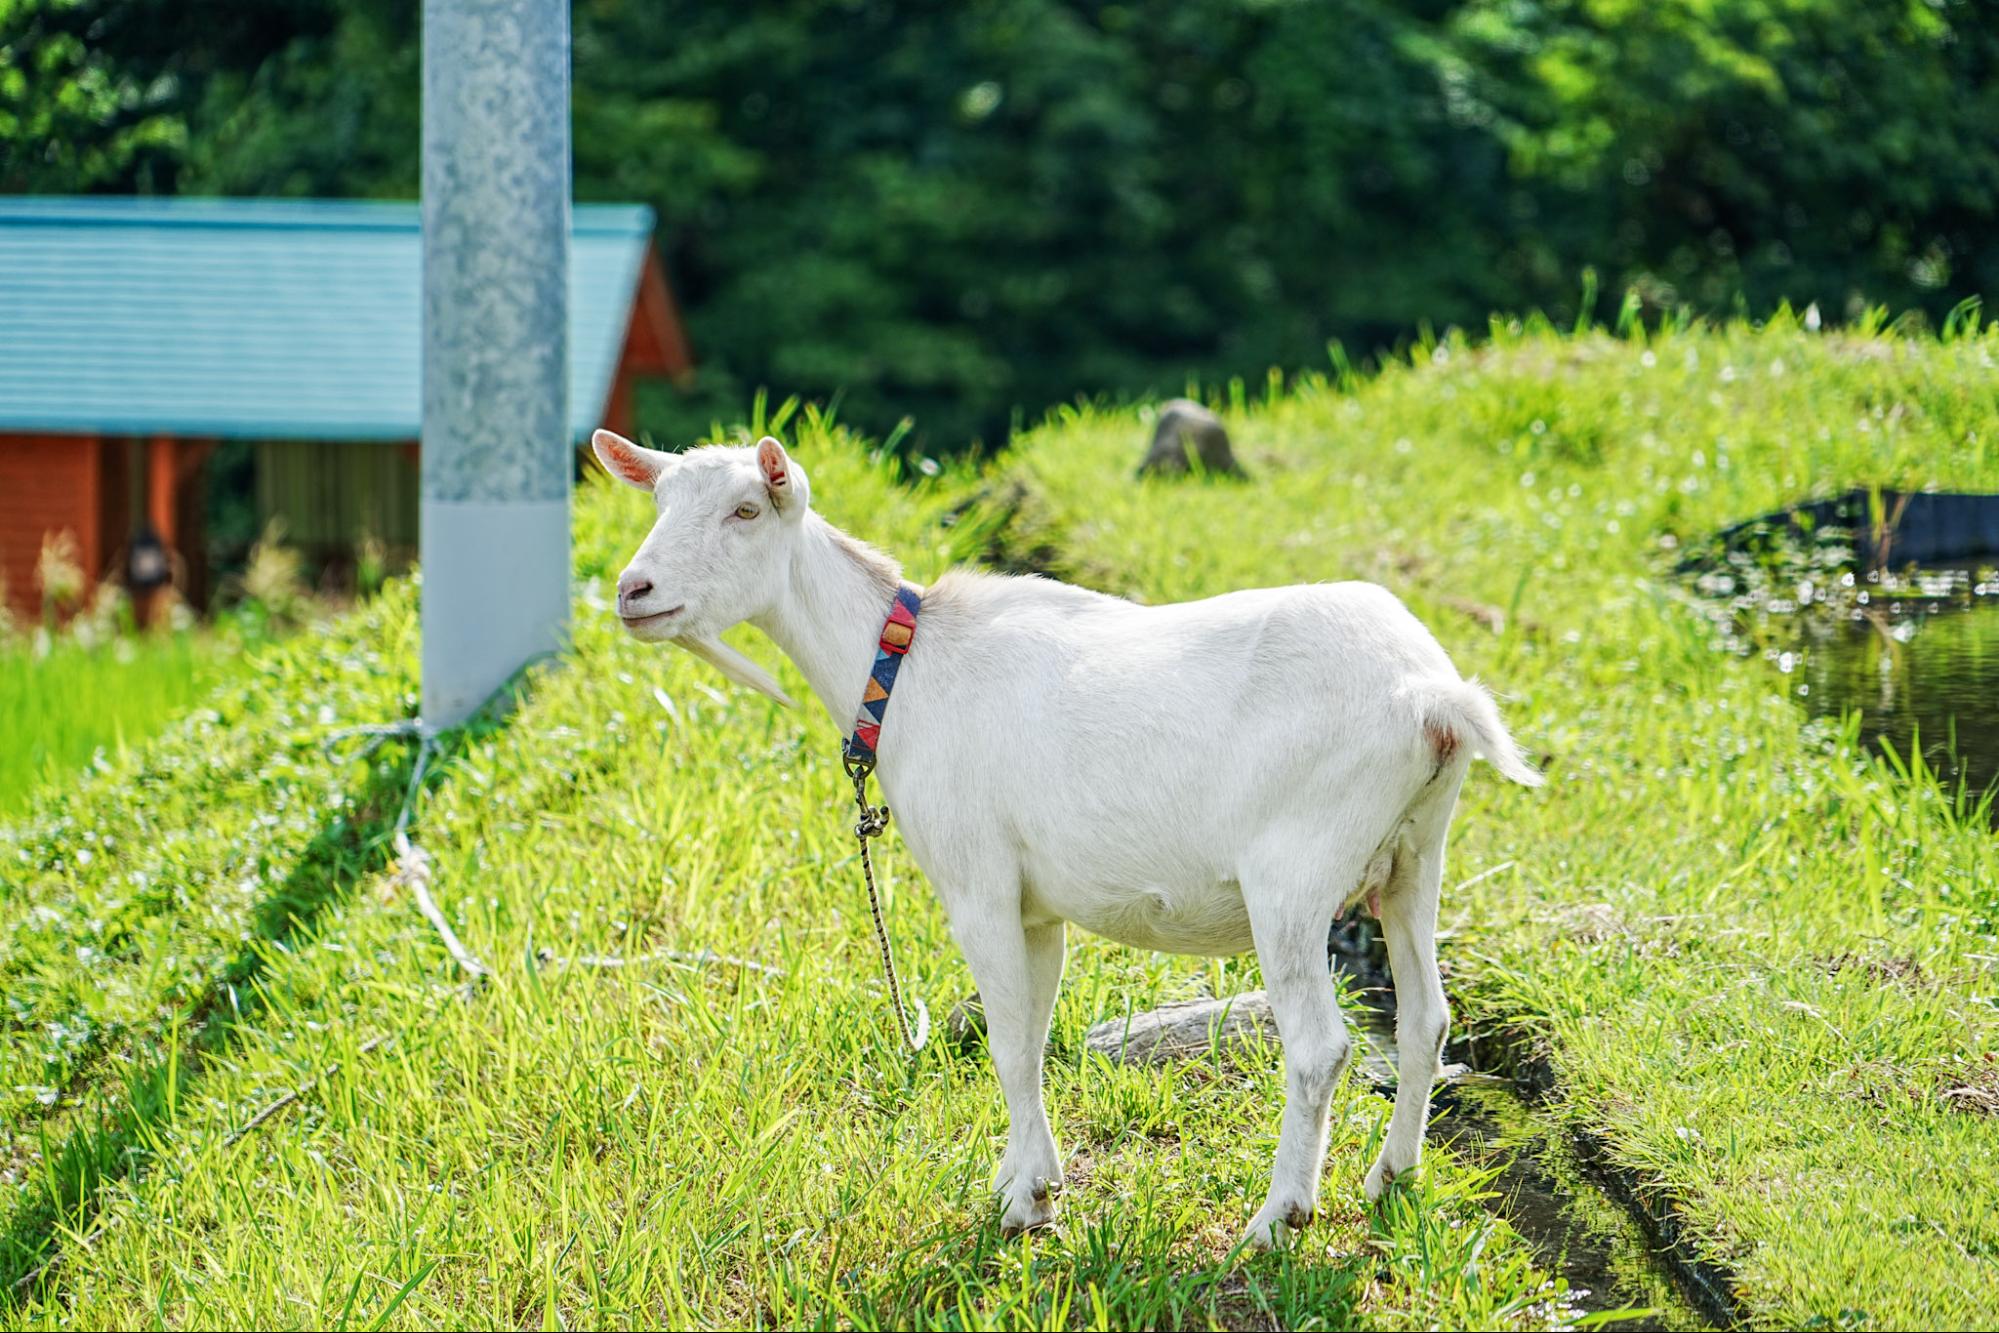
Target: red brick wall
x,y
49,483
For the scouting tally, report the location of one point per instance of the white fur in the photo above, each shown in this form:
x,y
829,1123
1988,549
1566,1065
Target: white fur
x,y
1200,778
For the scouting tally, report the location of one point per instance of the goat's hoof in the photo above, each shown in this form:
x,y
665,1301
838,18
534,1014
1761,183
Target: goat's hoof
x,y
1030,1212
1275,1223
1383,1174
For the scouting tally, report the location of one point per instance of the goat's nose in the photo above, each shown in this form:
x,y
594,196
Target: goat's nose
x,y
632,586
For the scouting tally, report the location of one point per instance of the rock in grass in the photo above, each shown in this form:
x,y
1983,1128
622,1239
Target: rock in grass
x,y
1186,432
1189,1029
1185,1030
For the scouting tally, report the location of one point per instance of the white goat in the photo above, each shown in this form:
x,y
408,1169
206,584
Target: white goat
x,y
1195,778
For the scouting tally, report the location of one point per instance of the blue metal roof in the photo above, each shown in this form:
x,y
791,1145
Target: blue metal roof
x,y
257,318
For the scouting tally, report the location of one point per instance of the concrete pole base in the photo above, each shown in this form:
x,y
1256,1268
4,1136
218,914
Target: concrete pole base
x,y
495,596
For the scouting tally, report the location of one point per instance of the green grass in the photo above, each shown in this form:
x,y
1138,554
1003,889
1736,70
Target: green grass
x,y
210,922
1760,962
59,708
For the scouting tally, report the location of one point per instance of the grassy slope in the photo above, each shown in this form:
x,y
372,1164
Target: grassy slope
x,y
144,901
658,1144
58,709
1759,962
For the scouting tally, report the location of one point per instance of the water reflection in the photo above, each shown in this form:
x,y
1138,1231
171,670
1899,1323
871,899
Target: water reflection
x,y
1931,673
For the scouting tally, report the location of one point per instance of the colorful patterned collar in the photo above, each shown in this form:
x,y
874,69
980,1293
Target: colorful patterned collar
x,y
897,633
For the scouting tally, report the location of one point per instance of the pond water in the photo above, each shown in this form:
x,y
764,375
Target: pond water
x,y
1928,674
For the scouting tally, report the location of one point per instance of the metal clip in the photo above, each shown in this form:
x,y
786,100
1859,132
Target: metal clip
x,y
874,818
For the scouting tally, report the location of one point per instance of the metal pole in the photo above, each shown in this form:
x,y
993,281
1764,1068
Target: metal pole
x,y
497,456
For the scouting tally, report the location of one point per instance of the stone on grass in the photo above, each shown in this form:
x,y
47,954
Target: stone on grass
x,y
1190,1029
1187,431
1185,1030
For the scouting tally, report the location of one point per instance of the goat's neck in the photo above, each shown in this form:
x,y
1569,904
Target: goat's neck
x,y
829,619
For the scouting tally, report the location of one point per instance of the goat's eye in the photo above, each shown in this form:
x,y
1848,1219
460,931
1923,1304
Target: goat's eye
x,y
747,510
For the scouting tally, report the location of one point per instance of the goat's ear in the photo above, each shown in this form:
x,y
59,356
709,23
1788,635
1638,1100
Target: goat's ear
x,y
633,464
782,477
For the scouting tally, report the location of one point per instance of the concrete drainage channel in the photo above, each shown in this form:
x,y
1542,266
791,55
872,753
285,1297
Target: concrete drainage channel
x,y
1587,1218
1586,1221
1584,1225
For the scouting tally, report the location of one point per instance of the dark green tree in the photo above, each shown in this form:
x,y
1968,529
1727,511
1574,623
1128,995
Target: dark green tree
x,y
958,210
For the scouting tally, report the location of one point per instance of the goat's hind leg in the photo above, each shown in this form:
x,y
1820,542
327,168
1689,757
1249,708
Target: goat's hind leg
x,y
1422,1020
1290,912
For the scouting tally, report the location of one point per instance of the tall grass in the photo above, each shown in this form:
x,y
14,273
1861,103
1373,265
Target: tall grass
x,y
59,707
91,685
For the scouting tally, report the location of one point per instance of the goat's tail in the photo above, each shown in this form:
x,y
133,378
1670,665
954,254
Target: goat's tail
x,y
1464,714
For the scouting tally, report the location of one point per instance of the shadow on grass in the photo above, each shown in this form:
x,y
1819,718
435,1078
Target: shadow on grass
x,y
118,1135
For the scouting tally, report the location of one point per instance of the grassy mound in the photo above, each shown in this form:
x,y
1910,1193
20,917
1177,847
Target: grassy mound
x,y
667,1142
1759,963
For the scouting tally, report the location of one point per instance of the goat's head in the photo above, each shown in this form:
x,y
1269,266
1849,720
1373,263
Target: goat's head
x,y
720,549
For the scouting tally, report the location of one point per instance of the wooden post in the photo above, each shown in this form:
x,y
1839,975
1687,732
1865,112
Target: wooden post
x,y
161,474
162,494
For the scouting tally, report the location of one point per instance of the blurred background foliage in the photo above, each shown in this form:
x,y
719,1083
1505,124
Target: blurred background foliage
x,y
965,212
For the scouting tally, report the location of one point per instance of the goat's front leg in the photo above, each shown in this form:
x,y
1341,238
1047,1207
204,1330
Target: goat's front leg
x,y
1018,969
1289,920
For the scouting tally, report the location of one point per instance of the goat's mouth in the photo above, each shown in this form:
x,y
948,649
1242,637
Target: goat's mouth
x,y
643,626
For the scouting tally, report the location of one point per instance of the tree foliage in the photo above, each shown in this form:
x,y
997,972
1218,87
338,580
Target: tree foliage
x,y
961,211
